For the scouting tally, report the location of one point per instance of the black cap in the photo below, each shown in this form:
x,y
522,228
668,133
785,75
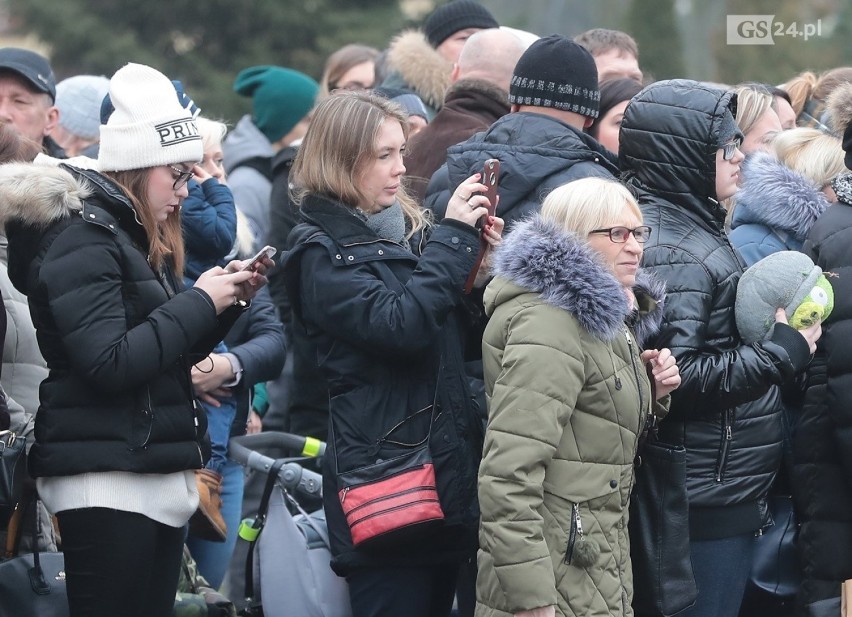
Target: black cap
x,y
31,66
457,15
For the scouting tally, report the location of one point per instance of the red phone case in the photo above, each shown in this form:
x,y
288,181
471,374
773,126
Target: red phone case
x,y
491,179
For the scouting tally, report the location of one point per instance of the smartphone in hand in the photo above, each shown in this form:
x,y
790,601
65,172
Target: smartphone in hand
x,y
266,251
491,179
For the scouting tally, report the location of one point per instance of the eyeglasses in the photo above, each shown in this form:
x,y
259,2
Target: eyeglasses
x,y
183,177
730,148
619,235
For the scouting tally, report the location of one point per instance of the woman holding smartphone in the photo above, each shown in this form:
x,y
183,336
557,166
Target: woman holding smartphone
x,y
118,434
378,290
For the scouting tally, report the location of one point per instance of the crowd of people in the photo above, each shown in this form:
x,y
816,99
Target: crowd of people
x,y
525,345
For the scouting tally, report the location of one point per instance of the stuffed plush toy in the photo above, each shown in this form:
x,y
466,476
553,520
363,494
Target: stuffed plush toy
x,y
788,280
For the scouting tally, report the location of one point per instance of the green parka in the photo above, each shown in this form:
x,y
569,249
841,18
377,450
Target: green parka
x,y
568,397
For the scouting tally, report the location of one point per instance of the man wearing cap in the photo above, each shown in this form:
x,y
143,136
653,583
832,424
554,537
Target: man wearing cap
x,y
281,103
27,96
422,60
540,144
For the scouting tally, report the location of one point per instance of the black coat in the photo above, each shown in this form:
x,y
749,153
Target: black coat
x,y
822,443
727,409
537,153
382,320
117,336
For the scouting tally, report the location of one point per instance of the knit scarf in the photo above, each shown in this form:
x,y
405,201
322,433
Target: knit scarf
x,y
389,224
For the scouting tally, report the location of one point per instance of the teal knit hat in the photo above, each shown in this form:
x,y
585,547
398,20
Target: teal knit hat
x,y
280,97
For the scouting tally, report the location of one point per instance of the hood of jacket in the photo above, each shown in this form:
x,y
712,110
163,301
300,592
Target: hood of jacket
x,y
245,142
669,138
420,66
541,257
774,195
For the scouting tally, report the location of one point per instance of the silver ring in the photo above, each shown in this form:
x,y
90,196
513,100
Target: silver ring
x,y
472,206
236,301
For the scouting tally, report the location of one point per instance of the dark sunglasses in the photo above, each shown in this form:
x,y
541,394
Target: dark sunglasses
x,y
619,235
183,177
730,149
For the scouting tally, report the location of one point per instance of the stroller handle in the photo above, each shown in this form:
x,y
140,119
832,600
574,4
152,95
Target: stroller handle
x,y
307,446
292,475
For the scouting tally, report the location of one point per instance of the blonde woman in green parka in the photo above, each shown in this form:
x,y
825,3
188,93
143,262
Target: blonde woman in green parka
x,y
568,397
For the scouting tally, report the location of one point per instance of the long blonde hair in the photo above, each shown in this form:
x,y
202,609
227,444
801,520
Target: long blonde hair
x,y
812,153
340,143
165,240
752,102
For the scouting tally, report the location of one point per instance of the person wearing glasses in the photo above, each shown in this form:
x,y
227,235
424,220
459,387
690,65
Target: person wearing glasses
x,y
118,434
680,155
568,396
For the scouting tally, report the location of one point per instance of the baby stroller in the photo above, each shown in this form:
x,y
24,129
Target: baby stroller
x,y
287,567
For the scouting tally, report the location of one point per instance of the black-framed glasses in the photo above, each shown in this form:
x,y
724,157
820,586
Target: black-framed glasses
x,y
183,176
730,148
619,235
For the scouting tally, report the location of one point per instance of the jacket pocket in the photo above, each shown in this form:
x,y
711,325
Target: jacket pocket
x,y
725,440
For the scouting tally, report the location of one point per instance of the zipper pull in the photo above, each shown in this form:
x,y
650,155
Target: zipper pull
x,y
728,435
343,497
572,535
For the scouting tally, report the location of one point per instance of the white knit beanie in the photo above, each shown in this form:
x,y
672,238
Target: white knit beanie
x,y
79,101
149,127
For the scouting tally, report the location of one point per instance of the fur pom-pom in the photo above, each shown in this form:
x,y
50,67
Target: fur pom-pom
x,y
586,553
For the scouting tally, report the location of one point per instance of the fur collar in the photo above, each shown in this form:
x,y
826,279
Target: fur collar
x,y
778,197
420,66
38,195
540,256
482,87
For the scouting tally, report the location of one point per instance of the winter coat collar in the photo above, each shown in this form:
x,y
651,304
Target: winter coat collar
x,y
479,97
420,66
778,197
541,257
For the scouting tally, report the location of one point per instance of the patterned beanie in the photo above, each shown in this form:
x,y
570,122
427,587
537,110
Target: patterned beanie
x,y
149,126
556,72
280,98
79,101
448,19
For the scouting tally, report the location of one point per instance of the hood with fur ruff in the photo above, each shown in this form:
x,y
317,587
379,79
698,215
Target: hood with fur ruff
x,y
774,195
540,256
839,106
425,70
37,195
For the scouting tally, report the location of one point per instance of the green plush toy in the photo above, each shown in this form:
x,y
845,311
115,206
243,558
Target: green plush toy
x,y
816,306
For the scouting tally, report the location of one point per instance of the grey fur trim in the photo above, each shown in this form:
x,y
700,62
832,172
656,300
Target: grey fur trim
x,y
422,68
544,258
37,195
778,197
648,323
839,106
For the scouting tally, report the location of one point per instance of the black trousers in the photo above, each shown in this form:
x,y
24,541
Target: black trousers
x,y
119,563
413,592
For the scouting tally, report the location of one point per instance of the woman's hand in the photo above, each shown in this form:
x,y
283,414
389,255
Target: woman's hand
x,y
664,370
493,235
227,289
467,203
200,174
811,334
544,611
254,423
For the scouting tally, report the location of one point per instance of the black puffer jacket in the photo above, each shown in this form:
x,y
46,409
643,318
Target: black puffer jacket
x,y
822,444
727,409
382,319
117,337
537,153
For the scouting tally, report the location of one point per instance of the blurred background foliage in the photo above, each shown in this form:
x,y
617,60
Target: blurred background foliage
x,y
206,43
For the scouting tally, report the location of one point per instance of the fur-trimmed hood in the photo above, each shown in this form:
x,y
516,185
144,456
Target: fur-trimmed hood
x,y
420,66
777,197
839,106
38,195
539,256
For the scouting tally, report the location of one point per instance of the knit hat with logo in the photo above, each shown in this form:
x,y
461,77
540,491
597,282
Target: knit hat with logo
x,y
79,101
149,126
556,72
449,18
280,98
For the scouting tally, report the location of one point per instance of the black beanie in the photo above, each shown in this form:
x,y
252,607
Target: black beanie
x,y
557,72
448,19
847,146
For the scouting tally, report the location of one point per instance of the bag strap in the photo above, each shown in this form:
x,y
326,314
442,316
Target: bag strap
x,y
16,523
259,522
37,581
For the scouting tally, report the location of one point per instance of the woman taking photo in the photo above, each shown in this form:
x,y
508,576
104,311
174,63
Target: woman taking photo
x,y
118,435
378,290
568,398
